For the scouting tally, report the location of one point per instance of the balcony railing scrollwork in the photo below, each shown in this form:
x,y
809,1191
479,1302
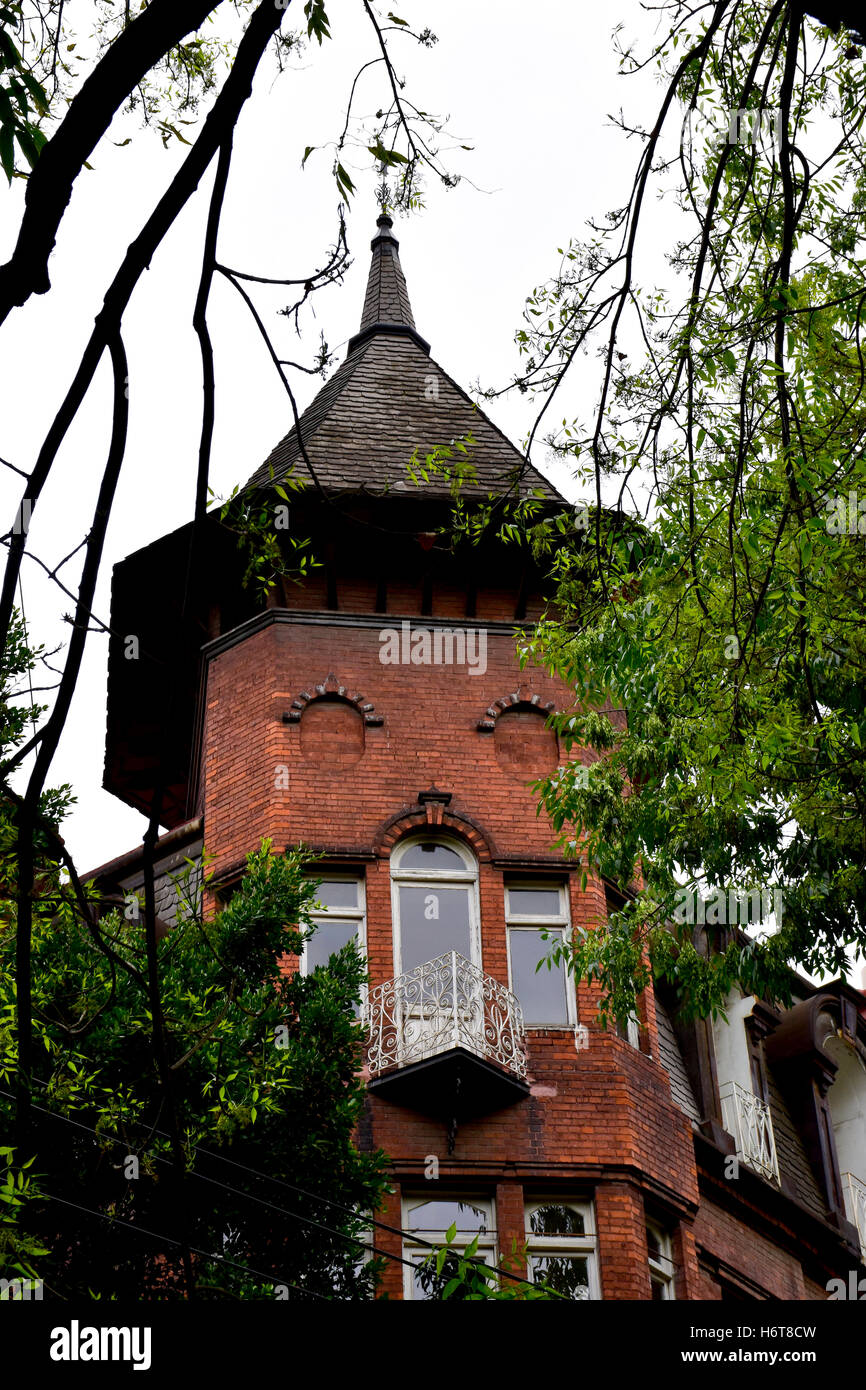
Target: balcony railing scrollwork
x,y
444,1004
748,1119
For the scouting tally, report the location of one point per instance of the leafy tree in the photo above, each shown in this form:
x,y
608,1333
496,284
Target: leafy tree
x,y
54,110
711,584
264,1066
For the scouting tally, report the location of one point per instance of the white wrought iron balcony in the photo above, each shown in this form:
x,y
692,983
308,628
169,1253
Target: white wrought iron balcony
x,y
854,1190
446,1036
748,1119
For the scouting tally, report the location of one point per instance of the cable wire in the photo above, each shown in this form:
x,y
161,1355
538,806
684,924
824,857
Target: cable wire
x,y
169,1240
409,1236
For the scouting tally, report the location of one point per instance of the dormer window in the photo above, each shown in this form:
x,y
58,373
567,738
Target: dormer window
x,y
743,1091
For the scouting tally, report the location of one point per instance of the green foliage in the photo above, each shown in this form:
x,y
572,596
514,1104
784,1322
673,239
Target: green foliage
x,y
47,49
460,1275
317,20
18,1251
23,101
451,462
273,553
709,605
265,1069
727,621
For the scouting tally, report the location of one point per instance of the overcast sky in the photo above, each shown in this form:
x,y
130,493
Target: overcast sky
x,y
529,92
529,89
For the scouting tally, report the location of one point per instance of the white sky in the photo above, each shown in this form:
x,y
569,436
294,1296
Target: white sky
x,y
529,91
531,98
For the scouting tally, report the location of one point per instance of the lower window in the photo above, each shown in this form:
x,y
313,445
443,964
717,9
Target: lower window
x,y
562,1248
426,1222
661,1264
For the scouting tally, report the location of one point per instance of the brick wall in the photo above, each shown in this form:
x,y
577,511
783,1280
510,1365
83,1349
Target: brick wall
x,y
343,775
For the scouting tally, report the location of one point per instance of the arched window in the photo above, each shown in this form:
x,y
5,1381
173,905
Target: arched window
x,y
427,1222
434,902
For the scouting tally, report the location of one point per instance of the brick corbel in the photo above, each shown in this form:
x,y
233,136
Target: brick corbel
x,y
331,686
522,696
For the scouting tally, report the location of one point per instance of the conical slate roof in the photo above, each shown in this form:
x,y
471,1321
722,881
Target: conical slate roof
x,y
389,398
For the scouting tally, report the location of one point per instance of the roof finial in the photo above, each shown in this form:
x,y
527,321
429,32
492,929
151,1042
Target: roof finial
x,y
386,305
382,194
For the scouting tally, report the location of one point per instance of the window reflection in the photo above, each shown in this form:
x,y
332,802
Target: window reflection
x,y
432,857
433,919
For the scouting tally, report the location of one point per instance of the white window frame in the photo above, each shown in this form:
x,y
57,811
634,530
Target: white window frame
x,y
357,914
661,1268
632,1032
487,1244
562,1245
561,922
441,878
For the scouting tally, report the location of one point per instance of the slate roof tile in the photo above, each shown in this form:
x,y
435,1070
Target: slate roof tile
x,y
388,399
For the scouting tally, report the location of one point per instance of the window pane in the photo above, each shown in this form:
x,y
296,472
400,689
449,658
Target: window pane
x,y
658,1291
541,994
336,894
428,855
534,902
330,936
566,1274
556,1220
652,1244
438,1216
433,920
427,1284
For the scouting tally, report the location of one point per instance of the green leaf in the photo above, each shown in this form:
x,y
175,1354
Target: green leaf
x,y
37,92
387,157
317,20
344,183
7,151
29,147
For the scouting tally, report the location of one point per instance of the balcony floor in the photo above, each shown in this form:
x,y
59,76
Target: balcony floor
x,y
454,1084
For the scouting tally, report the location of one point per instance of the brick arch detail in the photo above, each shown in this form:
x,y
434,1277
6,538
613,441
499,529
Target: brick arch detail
x,y
522,696
433,814
331,686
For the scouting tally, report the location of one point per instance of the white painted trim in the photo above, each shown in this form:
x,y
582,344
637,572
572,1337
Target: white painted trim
x,y
561,922
445,879
585,1245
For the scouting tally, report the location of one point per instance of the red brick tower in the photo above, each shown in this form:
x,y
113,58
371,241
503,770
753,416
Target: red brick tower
x,y
379,714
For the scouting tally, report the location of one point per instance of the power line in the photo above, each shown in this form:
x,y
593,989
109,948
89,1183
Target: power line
x,y
169,1240
411,1236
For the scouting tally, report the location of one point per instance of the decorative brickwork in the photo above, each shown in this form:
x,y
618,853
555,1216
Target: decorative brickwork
x,y
432,814
521,697
330,688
